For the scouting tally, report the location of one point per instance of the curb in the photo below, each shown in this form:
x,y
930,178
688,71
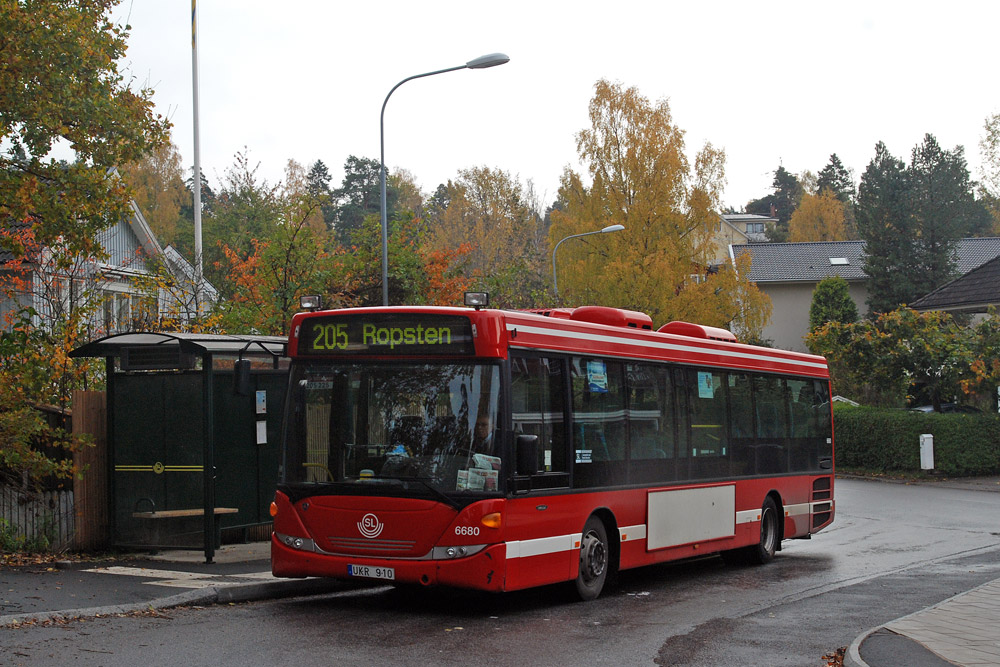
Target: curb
x,y
205,596
852,657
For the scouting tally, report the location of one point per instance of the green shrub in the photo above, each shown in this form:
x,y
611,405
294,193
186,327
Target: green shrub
x,y
889,440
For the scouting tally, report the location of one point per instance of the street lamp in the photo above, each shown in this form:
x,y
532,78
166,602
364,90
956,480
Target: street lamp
x,y
482,62
610,228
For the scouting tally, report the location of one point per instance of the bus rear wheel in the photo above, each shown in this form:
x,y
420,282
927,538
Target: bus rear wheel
x,y
763,551
594,559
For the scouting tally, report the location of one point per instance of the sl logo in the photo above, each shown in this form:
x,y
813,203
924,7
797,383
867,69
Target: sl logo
x,y
370,526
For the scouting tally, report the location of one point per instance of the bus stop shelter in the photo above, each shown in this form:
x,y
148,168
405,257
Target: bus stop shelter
x,y
193,430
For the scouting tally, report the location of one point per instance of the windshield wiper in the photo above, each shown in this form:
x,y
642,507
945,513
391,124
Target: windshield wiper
x,y
425,482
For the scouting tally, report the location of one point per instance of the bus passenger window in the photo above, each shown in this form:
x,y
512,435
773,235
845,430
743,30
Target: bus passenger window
x,y
651,423
741,428
537,390
709,445
770,401
599,436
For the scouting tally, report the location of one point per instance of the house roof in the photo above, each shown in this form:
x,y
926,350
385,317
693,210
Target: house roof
x,y
747,217
803,262
973,292
811,262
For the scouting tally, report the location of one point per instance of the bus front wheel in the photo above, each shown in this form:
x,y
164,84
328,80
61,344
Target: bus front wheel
x,y
594,559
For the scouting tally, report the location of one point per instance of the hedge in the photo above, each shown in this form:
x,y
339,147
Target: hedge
x,y
889,440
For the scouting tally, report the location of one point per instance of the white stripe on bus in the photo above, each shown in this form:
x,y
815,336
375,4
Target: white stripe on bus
x,y
559,543
543,545
600,338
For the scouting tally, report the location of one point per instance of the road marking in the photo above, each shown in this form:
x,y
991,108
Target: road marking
x,y
178,579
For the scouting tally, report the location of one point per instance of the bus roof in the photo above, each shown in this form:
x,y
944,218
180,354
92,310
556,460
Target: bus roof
x,y
598,331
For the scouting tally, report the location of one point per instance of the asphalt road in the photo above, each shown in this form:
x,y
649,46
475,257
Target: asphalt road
x,y
894,549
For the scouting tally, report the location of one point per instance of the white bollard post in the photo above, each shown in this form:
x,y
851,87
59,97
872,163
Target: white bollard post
x,y
927,451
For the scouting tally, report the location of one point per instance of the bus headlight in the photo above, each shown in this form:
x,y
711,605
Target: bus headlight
x,y
299,543
450,553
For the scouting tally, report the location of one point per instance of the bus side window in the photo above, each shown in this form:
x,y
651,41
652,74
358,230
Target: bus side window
x,y
600,437
651,424
741,428
709,445
537,405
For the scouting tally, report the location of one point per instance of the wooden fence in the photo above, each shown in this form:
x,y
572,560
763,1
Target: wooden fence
x,y
70,518
92,511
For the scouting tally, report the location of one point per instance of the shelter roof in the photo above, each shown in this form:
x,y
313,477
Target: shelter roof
x,y
248,345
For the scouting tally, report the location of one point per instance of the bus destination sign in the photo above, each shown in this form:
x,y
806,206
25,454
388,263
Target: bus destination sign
x,y
387,334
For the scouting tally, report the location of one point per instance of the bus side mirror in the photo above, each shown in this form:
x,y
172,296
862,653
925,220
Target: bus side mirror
x,y
241,377
527,454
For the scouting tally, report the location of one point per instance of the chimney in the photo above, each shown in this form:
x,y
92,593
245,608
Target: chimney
x,y
774,211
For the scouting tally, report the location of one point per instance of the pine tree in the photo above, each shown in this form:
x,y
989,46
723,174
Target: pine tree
x,y
318,186
836,178
885,223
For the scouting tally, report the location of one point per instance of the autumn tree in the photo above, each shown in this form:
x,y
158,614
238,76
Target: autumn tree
x,y
288,261
247,209
158,188
493,214
60,84
897,356
837,178
641,178
418,274
818,218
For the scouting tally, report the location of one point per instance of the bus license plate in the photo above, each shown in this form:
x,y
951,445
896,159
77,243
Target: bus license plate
x,y
371,572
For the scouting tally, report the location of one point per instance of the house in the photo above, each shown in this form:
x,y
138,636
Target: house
x,y
789,272
973,292
119,291
738,229
754,227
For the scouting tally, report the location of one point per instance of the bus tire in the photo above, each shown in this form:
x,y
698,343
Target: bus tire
x,y
763,551
595,557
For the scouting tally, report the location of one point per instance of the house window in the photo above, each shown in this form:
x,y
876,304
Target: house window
x,y
755,228
117,312
839,261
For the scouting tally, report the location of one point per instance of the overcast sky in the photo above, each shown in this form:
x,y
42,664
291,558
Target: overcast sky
x,y
773,83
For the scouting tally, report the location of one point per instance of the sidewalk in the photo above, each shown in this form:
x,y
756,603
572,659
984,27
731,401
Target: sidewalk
x,y
141,582
963,630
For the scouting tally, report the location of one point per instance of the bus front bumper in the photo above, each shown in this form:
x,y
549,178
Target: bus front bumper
x,y
483,571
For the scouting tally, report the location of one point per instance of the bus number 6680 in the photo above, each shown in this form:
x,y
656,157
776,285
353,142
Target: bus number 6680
x,y
467,530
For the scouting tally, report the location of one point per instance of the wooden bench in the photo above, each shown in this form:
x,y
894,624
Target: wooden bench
x,y
171,514
184,525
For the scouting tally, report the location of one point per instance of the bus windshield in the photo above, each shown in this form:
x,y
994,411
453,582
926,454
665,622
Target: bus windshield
x,y
411,424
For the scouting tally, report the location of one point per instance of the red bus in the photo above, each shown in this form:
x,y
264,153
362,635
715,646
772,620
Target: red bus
x,y
501,450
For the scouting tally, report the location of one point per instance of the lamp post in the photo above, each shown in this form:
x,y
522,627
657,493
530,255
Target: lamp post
x,y
606,230
482,62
